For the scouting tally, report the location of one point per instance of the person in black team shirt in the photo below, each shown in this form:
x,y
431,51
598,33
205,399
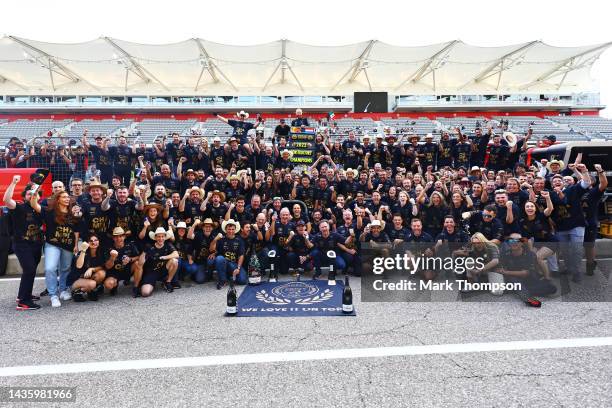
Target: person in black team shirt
x,y
299,246
282,130
90,268
122,262
63,224
230,255
122,160
241,128
101,155
485,222
300,120
27,241
326,241
160,262
590,204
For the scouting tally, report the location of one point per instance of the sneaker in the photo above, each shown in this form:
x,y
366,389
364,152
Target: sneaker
x,y
590,268
27,305
135,292
126,282
34,298
113,291
168,287
55,302
533,302
99,289
44,293
220,285
93,295
176,285
79,296
65,295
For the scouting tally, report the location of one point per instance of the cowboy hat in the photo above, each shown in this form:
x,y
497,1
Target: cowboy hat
x,y
556,161
160,230
118,231
181,224
414,136
290,153
96,183
352,171
216,139
429,136
366,136
189,171
221,195
243,113
208,221
474,168
200,192
152,205
375,223
225,223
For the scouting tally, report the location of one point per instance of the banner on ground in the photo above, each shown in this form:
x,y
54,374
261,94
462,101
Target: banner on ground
x,y
293,298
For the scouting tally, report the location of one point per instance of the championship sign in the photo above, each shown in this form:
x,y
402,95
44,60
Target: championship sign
x,y
302,143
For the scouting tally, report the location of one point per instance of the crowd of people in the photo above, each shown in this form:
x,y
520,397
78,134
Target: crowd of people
x,y
190,209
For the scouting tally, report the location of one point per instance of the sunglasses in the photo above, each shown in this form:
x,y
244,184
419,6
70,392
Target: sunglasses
x,y
487,216
513,241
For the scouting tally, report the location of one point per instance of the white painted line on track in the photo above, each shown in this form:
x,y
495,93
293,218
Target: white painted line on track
x,y
312,355
18,279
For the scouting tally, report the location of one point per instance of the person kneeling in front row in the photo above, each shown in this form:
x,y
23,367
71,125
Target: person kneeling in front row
x,y
90,264
160,262
122,262
230,254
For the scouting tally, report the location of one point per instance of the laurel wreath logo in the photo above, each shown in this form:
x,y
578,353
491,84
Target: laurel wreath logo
x,y
263,296
325,295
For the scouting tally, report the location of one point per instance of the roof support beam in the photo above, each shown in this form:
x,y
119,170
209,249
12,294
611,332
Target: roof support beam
x,y
210,66
133,65
283,65
358,66
4,79
52,64
570,64
502,64
430,65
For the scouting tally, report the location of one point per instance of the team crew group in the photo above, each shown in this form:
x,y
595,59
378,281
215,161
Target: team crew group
x,y
184,209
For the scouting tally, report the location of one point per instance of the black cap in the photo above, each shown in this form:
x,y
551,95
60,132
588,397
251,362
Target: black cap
x,y
552,138
300,223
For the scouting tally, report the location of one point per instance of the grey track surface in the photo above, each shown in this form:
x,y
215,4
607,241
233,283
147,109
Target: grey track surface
x,y
190,323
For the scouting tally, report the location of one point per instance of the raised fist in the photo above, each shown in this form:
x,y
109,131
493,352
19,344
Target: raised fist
x,y
197,222
545,194
509,204
183,159
598,168
109,192
291,233
147,223
16,179
83,246
219,236
114,253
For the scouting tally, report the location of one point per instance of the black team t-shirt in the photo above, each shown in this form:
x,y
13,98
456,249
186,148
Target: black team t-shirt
x,y
60,235
231,249
153,263
27,224
201,245
118,267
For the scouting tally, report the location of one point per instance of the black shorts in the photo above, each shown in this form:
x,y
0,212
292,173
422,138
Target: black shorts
x,y
152,276
120,276
590,233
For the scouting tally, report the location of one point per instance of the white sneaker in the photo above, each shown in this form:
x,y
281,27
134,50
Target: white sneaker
x,y
55,302
65,295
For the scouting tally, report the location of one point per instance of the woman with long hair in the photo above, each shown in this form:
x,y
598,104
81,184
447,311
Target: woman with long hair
x,y
90,265
536,226
433,212
62,236
488,252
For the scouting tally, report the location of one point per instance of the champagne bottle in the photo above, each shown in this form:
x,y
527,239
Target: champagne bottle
x,y
231,310
347,297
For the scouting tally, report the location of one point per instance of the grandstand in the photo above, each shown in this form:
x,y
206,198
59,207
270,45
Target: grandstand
x,y
28,129
593,126
104,127
150,129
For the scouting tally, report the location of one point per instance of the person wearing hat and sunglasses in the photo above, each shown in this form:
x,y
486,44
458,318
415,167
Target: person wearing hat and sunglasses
x,y
241,128
230,255
428,152
160,262
122,262
187,266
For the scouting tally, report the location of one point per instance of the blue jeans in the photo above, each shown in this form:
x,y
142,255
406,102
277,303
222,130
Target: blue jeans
x,y
57,262
204,272
185,269
320,259
352,260
224,270
571,249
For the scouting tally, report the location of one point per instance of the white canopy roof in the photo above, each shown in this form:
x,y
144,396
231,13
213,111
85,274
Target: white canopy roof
x,y
108,66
